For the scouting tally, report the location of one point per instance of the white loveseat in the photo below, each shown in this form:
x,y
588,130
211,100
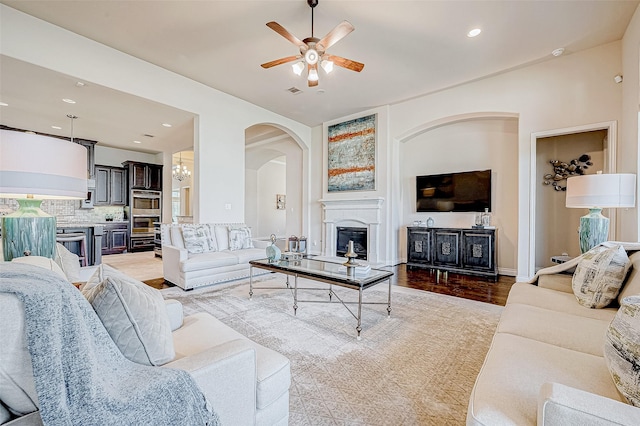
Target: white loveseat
x,y
546,364
216,253
246,383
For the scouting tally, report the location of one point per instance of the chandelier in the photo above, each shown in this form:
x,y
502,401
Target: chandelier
x,y
180,171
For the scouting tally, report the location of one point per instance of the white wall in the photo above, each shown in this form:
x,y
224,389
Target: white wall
x,y
629,156
464,146
563,92
316,172
272,180
567,91
221,118
251,200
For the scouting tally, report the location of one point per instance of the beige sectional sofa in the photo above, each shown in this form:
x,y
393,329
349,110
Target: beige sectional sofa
x,y
223,254
546,364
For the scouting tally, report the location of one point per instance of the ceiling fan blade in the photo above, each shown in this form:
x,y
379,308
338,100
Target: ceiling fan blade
x,y
340,31
280,61
344,63
286,34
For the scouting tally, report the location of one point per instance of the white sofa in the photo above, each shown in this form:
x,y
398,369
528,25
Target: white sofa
x,y
246,383
188,270
546,365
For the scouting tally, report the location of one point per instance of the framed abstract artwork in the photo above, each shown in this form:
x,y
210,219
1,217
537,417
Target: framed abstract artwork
x,y
351,157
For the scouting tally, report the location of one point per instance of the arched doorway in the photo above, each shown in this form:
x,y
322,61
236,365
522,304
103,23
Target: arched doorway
x,y
273,182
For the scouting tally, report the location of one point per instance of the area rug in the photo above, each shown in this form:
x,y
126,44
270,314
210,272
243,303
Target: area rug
x,y
416,367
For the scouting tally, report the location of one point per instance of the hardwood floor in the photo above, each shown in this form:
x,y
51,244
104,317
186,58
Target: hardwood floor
x,y
465,286
148,268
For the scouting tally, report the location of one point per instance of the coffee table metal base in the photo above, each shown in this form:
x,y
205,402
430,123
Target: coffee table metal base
x,y
357,315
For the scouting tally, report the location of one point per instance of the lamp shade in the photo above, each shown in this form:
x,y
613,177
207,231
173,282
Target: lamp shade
x,y
33,168
601,190
42,166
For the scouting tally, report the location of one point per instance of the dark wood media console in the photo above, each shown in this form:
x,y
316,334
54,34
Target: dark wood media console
x,y
461,250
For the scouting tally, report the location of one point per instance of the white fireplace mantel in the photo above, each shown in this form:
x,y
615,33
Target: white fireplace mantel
x,y
352,203
363,212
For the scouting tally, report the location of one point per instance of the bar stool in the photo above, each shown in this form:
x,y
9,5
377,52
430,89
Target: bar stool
x,y
75,237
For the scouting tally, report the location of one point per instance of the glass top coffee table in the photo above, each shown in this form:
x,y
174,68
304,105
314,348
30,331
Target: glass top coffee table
x,y
330,273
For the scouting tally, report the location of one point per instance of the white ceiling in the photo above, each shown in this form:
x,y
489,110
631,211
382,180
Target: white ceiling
x,y
409,48
112,118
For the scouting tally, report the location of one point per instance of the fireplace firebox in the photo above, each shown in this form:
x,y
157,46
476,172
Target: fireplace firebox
x,y
357,235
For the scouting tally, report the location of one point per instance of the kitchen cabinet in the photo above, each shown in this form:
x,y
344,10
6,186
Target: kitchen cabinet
x,y
464,251
90,145
115,238
144,175
111,186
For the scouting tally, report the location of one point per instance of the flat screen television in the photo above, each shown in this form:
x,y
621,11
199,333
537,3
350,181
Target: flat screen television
x,y
454,192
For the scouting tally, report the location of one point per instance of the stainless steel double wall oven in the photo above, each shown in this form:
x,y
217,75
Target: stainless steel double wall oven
x,y
145,209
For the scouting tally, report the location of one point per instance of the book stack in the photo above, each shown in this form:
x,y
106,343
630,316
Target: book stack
x,y
360,269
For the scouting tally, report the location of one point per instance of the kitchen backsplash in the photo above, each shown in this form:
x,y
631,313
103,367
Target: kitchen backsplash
x,y
68,211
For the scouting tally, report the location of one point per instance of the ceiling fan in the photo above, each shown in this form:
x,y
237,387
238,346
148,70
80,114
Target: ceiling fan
x,y
313,50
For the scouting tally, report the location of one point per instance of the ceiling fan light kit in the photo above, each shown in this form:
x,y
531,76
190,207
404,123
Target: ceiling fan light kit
x,y
311,57
313,50
298,67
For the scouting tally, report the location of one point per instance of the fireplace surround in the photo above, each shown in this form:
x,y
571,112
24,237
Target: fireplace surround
x,y
353,213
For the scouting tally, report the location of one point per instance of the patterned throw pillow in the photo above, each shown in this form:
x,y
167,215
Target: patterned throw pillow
x,y
240,238
196,238
622,349
599,276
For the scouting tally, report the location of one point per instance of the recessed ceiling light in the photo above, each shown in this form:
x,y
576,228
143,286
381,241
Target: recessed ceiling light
x,y
80,84
474,32
166,125
56,127
137,142
557,52
69,101
3,104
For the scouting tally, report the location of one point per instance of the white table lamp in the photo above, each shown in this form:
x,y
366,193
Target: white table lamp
x,y
33,168
595,192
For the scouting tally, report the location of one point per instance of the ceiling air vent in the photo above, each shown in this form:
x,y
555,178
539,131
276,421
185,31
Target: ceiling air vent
x,y
294,90
148,135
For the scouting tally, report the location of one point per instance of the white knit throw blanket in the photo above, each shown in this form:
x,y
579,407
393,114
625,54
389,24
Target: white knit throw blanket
x,y
628,246
81,377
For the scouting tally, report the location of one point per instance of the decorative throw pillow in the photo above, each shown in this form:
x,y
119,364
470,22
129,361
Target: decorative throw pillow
x,y
599,276
68,262
196,238
42,262
222,236
135,317
213,241
240,238
102,271
622,349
